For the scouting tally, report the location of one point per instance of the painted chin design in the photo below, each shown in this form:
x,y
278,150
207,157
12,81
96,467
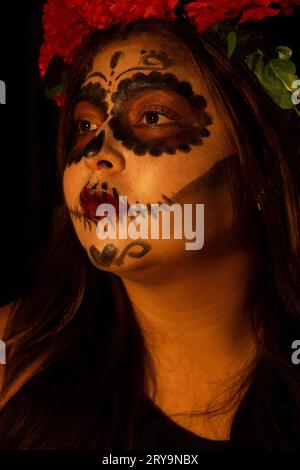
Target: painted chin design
x,y
110,253
92,197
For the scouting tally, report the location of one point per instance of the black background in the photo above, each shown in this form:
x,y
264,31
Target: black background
x,y
28,126
28,123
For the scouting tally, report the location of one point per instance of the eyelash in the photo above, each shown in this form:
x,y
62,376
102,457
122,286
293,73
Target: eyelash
x,y
161,110
80,121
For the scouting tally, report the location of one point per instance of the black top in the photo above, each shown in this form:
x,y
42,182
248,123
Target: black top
x,y
263,420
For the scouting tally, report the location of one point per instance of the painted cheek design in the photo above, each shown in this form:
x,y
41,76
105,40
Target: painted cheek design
x,y
87,144
189,127
78,148
94,146
78,215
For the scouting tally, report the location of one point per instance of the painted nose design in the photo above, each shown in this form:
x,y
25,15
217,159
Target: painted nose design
x,y
100,155
94,146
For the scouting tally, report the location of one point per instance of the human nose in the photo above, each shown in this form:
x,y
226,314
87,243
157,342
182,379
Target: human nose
x,y
100,155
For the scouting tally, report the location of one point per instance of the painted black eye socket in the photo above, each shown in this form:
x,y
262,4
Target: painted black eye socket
x,y
84,126
165,124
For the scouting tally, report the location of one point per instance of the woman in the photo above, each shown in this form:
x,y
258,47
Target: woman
x,y
145,344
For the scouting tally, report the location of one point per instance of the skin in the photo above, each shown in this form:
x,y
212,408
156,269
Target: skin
x,y
165,173
193,306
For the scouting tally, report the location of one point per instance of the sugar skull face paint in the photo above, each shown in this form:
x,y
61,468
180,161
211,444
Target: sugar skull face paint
x,y
154,113
92,111
108,256
145,126
157,113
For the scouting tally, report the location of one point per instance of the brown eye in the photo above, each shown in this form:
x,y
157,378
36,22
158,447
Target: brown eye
x,y
156,116
83,126
152,117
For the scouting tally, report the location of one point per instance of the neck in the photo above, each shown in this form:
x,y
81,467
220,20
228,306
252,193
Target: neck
x,y
198,316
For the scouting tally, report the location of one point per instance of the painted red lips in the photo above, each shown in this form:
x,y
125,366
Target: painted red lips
x,y
91,198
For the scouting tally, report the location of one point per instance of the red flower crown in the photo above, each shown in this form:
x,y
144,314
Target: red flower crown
x,y
66,22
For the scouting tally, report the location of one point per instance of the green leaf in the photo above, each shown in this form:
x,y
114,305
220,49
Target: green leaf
x,y
285,70
284,52
276,76
248,42
231,43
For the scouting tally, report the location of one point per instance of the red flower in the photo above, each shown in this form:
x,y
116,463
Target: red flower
x,y
63,31
286,7
66,22
206,14
128,11
95,14
59,98
258,10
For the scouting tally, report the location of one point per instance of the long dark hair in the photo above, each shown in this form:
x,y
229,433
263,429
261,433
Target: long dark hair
x,y
76,357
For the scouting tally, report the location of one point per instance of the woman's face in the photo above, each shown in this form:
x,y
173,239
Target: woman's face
x,y
147,127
